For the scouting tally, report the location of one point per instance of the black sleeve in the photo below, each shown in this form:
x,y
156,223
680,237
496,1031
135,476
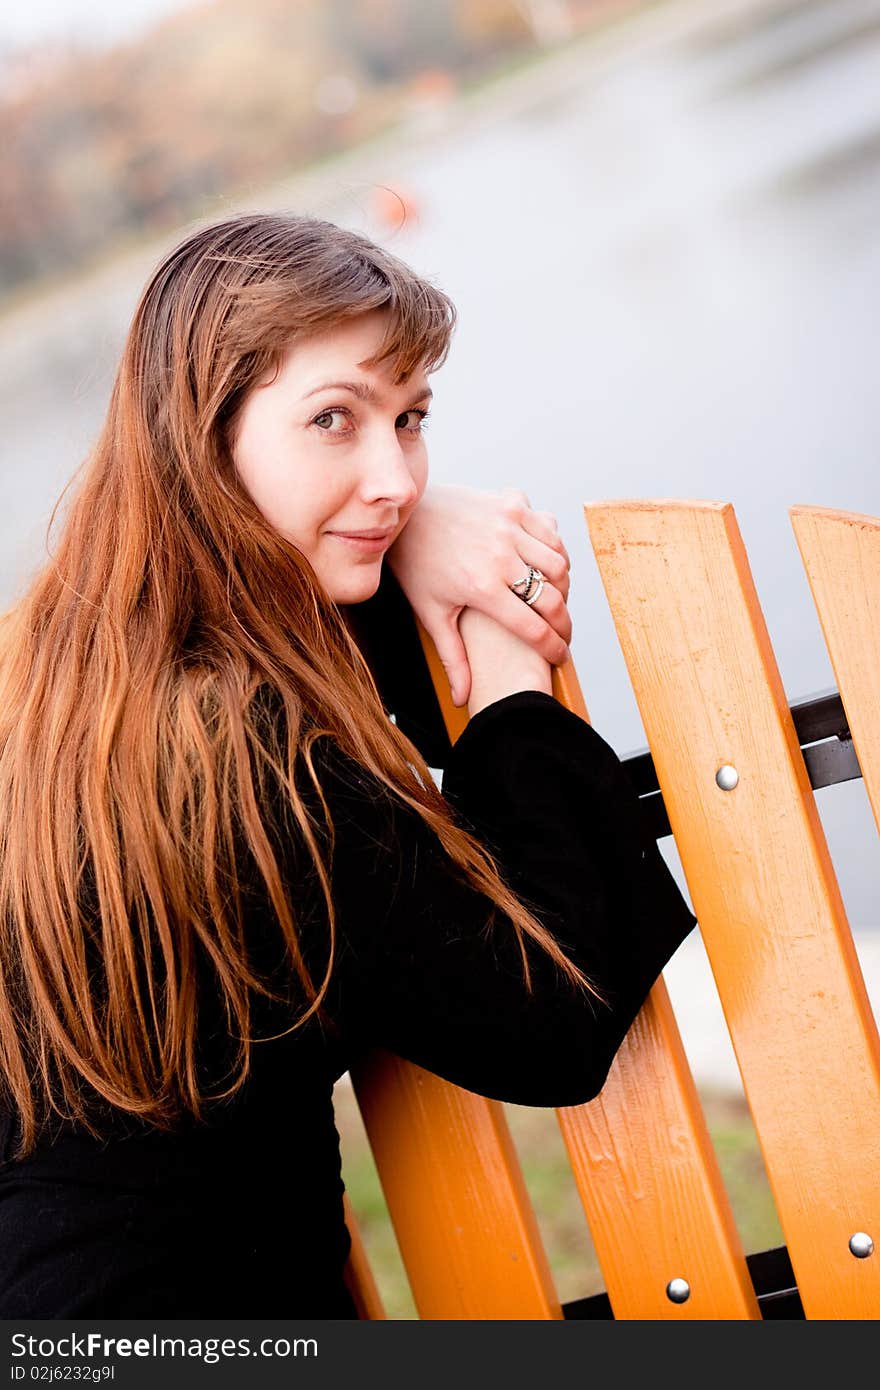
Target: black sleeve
x,y
418,968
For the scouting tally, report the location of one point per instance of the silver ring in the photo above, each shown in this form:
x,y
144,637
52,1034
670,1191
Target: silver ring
x,y
533,583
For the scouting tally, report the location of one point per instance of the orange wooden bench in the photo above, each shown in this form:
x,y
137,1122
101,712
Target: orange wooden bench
x,y
737,789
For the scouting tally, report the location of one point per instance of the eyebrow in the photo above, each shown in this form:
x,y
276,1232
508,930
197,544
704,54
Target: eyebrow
x,y
362,390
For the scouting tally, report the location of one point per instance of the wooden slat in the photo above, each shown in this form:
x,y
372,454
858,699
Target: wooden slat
x,y
761,880
461,1214
654,1180
650,1184
359,1278
841,555
646,1172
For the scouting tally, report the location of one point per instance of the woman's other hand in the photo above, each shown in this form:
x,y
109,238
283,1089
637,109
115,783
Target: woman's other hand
x,y
500,663
462,548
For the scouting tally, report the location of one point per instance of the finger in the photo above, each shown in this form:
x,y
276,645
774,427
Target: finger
x,y
552,608
547,519
552,565
542,525
515,501
453,656
535,623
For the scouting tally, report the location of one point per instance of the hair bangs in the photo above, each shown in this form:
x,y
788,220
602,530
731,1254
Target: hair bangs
x,y
420,325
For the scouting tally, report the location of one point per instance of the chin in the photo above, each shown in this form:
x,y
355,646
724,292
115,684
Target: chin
x,y
357,588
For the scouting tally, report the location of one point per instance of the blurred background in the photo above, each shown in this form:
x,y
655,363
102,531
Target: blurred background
x,y
660,225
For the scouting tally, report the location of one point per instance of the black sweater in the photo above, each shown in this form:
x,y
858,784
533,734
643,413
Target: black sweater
x,y
242,1216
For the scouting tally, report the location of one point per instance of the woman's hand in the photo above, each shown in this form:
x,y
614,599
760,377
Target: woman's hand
x,y
463,548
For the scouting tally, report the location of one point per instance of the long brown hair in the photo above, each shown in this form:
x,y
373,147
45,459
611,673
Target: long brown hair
x,y
129,728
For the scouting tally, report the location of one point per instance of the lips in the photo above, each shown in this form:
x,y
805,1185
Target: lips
x,y
376,534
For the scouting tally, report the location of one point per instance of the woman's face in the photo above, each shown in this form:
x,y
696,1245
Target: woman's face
x,y
328,449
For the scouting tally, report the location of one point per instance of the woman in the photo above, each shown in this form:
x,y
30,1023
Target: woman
x,y
226,872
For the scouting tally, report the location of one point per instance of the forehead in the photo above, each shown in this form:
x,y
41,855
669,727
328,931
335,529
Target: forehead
x,y
337,352
342,346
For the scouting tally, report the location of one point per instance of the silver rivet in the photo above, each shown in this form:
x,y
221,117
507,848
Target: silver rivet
x,y
678,1291
861,1245
727,777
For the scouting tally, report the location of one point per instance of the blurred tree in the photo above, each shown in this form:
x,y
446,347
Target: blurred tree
x,y
215,100
393,39
551,21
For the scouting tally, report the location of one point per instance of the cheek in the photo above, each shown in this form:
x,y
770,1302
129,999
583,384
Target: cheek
x,y
254,455
288,485
420,473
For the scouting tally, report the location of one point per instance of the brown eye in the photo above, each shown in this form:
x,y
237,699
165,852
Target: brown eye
x,y
327,415
415,428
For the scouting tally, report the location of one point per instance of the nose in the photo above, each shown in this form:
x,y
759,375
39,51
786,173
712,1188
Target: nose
x,y
388,475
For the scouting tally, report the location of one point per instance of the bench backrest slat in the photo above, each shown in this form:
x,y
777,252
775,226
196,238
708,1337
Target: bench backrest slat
x,y
650,1185
841,555
466,1230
